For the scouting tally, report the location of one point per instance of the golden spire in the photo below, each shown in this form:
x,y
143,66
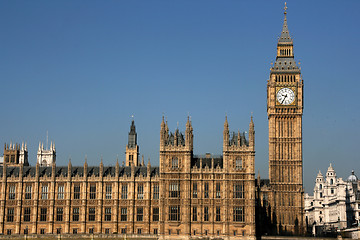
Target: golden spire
x,y
285,8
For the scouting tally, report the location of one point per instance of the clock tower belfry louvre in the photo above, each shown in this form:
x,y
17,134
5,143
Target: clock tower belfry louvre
x,y
285,109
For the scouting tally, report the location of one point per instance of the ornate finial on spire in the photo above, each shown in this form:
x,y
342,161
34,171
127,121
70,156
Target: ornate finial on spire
x,y
285,8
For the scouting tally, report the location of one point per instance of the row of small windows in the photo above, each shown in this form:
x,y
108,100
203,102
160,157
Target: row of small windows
x,y
174,191
285,52
238,190
175,163
285,78
92,194
124,231
174,214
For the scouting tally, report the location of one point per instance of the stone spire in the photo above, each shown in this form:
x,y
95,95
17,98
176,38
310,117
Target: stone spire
x,y
132,139
285,51
285,35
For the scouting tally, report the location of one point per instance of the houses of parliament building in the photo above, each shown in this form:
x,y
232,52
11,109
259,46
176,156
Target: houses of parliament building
x,y
186,196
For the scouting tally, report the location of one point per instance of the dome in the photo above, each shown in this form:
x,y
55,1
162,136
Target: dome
x,y
352,177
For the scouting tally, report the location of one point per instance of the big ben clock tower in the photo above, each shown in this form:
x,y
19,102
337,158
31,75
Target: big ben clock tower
x,y
285,109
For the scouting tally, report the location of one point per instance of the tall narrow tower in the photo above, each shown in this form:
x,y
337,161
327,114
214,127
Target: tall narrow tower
x,y
132,149
285,109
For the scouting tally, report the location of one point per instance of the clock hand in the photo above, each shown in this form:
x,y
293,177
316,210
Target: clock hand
x,y
284,98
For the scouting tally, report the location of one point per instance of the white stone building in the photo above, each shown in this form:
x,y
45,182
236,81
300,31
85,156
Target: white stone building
x,y
45,157
335,203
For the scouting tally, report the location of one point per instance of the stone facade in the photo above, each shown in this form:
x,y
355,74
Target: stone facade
x,y
14,154
334,205
186,196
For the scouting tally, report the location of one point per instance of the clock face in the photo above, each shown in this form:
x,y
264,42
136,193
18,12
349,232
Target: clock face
x,y
285,96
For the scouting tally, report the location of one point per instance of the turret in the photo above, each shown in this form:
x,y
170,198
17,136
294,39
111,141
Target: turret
x,y
117,168
251,133
189,135
85,167
148,168
331,175
69,169
132,149
101,168
46,157
226,135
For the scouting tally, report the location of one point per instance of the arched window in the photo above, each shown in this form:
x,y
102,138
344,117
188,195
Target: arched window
x,y
320,187
331,181
175,162
238,163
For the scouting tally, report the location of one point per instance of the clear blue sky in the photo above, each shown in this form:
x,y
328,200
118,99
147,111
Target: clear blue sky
x,y
80,69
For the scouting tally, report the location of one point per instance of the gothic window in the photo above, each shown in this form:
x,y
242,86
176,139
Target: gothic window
x,y
28,192
155,214
174,213
10,215
174,191
238,214
108,191
77,192
93,192
27,214
206,214
238,164
12,189
194,190
238,190
140,191
320,186
124,191
107,214
59,214
44,192
218,195
331,181
194,214
156,191
123,214
91,214
206,190
76,212
218,214
60,192
140,214
43,214
175,162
